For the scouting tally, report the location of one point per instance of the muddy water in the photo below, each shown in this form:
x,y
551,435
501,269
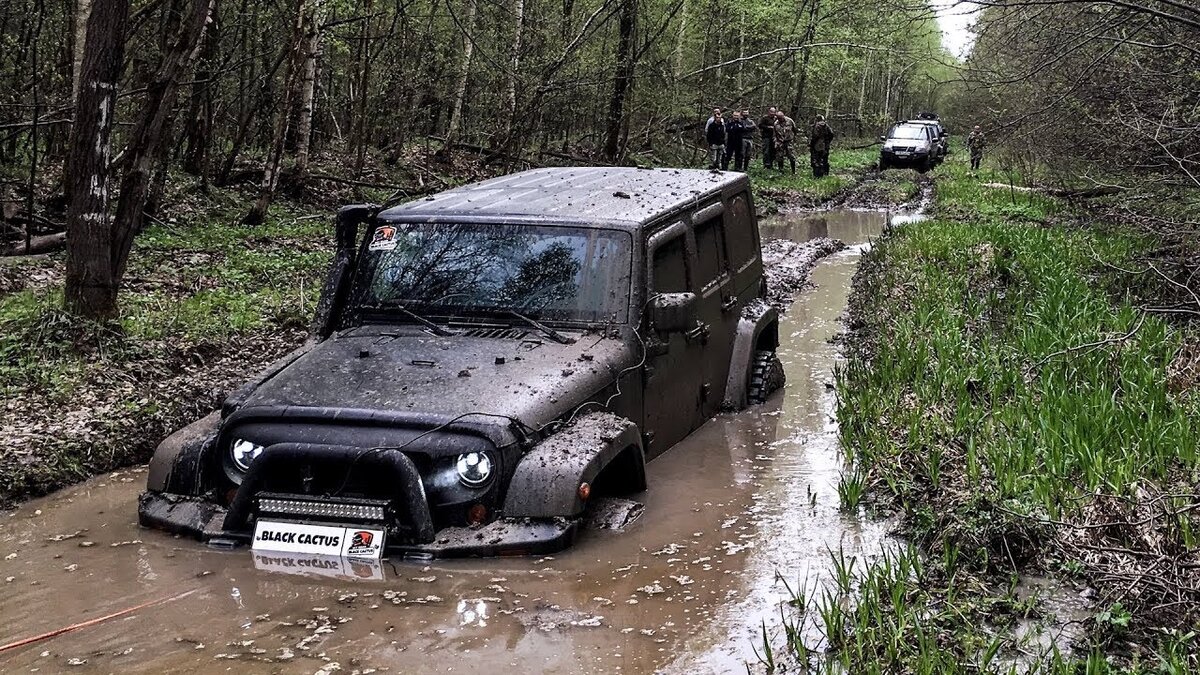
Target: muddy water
x,y
686,589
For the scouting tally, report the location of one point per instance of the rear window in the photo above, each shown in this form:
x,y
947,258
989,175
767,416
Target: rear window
x,y
710,251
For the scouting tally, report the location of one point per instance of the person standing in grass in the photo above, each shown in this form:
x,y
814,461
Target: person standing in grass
x,y
733,135
785,133
715,136
766,126
747,140
975,144
819,141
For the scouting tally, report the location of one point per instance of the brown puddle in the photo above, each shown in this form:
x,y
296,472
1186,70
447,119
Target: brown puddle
x,y
686,589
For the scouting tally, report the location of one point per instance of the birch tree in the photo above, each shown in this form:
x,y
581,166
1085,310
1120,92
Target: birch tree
x,y
92,279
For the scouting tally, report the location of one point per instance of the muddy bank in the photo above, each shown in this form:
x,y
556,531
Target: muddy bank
x,y
787,264
863,188
119,417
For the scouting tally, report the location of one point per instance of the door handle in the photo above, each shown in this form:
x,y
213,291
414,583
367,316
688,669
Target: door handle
x,y
700,332
730,303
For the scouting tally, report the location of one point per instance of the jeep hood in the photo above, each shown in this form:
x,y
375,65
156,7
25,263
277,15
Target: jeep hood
x,y
400,369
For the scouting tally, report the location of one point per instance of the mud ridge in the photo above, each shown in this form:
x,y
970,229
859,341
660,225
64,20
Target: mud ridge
x,y
787,265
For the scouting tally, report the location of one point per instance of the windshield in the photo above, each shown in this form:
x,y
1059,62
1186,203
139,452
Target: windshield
x,y
908,132
549,273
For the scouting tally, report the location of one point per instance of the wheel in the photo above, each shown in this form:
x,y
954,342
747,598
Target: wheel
x,y
766,375
925,166
883,165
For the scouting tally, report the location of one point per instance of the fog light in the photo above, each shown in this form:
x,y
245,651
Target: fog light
x,y
585,491
477,514
474,468
244,452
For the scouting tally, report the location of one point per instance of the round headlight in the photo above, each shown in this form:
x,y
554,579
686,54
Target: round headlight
x,y
474,468
244,452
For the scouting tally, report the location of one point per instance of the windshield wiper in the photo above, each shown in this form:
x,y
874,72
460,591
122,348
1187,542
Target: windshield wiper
x,y
433,327
546,330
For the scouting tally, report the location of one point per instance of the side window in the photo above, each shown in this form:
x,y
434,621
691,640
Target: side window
x,y
670,267
710,251
741,234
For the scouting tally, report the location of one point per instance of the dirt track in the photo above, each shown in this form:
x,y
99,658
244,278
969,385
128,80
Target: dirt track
x,y
686,589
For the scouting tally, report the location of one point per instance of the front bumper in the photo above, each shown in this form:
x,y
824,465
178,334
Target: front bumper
x,y
203,520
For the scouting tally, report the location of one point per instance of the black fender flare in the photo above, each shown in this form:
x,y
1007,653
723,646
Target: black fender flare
x,y
177,464
546,481
756,319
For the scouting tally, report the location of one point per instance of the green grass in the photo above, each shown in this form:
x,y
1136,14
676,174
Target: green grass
x,y
204,280
1001,380
845,168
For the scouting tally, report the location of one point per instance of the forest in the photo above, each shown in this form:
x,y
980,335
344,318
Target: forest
x,y
1018,374
285,96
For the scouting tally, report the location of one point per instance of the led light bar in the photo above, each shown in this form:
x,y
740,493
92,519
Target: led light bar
x,y
318,509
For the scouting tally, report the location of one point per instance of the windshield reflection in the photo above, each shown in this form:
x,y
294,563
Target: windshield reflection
x,y
551,273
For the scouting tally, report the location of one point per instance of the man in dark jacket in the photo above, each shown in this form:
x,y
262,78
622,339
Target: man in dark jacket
x,y
820,138
766,126
736,133
747,140
715,136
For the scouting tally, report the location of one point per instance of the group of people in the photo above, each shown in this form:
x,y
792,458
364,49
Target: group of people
x,y
732,140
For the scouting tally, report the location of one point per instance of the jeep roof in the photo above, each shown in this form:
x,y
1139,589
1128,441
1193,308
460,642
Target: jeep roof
x,y
602,196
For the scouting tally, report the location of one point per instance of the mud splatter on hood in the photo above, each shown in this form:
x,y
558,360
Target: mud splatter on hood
x,y
404,370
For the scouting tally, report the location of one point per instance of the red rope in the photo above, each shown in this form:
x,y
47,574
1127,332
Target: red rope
x,y
91,622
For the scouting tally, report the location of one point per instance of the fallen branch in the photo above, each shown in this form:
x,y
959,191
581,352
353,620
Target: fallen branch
x,y
571,158
46,243
487,152
355,183
1087,193
1089,345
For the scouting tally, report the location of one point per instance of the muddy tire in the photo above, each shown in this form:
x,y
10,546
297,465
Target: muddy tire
x,y
766,376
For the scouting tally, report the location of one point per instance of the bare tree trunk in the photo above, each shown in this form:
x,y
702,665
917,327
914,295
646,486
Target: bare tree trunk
x,y
364,83
741,49
91,277
680,40
308,87
809,33
623,80
862,90
464,73
271,168
83,9
200,114
147,145
515,68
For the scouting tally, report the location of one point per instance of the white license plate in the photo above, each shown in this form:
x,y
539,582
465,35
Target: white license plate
x,y
331,540
902,154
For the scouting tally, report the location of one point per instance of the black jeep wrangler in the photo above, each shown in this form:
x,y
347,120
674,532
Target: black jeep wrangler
x,y
483,364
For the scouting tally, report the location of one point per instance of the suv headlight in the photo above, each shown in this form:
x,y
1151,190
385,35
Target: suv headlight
x,y
244,452
474,468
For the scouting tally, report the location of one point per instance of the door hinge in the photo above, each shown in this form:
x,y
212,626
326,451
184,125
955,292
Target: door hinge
x,y
700,332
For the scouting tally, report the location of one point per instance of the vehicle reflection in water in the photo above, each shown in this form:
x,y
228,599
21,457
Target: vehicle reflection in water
x,y
350,569
747,500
